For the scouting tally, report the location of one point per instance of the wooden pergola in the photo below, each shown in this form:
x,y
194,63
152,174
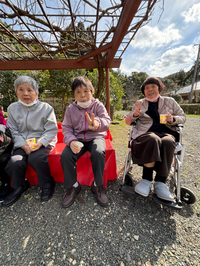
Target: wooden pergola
x,y
69,34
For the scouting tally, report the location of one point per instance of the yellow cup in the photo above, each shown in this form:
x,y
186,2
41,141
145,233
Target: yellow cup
x,y
31,142
163,119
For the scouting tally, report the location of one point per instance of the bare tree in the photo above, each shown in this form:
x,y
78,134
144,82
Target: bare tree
x,y
65,29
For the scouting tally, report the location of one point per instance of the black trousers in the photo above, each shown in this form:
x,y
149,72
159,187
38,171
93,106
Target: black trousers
x,y
4,157
68,161
38,160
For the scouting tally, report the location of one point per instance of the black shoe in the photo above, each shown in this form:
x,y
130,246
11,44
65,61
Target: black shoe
x,y
15,194
48,190
4,191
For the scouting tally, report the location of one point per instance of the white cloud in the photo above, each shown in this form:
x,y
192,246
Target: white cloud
x,y
126,70
153,37
193,14
197,40
174,60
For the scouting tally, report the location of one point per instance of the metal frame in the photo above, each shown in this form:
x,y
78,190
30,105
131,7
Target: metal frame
x,y
182,194
33,31
68,34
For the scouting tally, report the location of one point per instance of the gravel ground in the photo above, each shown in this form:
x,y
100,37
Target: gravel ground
x,y
132,230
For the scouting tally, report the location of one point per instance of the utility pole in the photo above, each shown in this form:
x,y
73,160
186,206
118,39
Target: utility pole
x,y
195,72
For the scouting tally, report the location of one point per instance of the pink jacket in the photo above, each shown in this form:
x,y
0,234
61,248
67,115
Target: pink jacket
x,y
75,124
2,119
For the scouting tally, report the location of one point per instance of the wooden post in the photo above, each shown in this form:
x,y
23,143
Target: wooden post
x,y
107,91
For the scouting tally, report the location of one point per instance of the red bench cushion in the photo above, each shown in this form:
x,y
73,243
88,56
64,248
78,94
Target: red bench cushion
x,y
84,167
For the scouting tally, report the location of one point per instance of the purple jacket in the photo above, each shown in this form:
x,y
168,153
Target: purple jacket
x,y
75,124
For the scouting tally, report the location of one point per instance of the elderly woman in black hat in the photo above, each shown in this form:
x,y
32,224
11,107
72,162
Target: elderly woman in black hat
x,y
154,139
30,120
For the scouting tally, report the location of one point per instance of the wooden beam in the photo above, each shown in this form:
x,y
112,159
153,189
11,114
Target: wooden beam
x,y
128,13
54,64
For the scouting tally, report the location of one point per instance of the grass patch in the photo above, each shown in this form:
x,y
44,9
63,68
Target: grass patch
x,y
120,132
194,116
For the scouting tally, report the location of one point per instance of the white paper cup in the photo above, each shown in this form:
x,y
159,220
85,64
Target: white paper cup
x,y
80,144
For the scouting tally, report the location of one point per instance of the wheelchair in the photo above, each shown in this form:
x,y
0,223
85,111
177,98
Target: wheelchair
x,y
182,194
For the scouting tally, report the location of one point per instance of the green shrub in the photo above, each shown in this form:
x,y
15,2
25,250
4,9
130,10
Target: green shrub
x,y
178,98
191,108
118,117
5,114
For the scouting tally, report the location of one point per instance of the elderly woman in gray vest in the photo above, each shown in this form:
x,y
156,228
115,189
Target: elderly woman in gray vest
x,y
153,142
30,119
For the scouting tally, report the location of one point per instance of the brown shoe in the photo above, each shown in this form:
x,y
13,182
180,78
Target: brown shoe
x,y
70,196
100,192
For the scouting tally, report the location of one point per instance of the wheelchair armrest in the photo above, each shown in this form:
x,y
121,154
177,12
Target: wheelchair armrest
x,y
180,125
133,123
130,132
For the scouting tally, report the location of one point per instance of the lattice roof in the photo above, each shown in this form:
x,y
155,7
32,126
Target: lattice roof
x,y
53,34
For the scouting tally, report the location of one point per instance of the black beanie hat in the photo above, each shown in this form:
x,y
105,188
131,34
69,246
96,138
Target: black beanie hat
x,y
152,80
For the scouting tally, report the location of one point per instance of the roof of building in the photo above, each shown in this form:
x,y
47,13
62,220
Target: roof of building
x,y
187,89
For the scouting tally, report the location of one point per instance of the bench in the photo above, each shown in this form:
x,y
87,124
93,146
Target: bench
x,y
84,167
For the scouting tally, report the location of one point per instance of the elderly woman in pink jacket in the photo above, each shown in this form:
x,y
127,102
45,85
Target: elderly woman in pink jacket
x,y
5,152
87,121
153,142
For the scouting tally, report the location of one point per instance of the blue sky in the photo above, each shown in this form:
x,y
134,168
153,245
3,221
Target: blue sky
x,y
166,44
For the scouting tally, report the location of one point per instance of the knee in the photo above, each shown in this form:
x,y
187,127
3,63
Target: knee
x,y
15,162
98,154
154,139
169,143
37,159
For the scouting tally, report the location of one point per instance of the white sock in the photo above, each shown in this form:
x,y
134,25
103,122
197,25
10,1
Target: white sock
x,y
76,184
95,184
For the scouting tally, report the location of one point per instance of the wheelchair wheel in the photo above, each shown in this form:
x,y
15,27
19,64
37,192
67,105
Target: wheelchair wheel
x,y
129,180
187,196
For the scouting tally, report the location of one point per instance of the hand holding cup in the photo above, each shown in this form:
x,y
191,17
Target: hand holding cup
x,y
76,146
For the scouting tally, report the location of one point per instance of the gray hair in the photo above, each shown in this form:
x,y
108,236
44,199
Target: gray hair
x,y
26,79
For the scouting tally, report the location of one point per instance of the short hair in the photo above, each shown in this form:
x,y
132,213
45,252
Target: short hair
x,y
82,81
152,80
26,79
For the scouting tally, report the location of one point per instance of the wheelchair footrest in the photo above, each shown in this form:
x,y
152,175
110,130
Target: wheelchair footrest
x,y
173,204
127,189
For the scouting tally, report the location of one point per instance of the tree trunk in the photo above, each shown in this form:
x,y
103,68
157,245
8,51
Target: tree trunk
x,y
98,59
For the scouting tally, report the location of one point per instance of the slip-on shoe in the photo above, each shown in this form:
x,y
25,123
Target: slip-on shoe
x,y
48,190
70,196
15,194
5,190
143,187
100,193
162,191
